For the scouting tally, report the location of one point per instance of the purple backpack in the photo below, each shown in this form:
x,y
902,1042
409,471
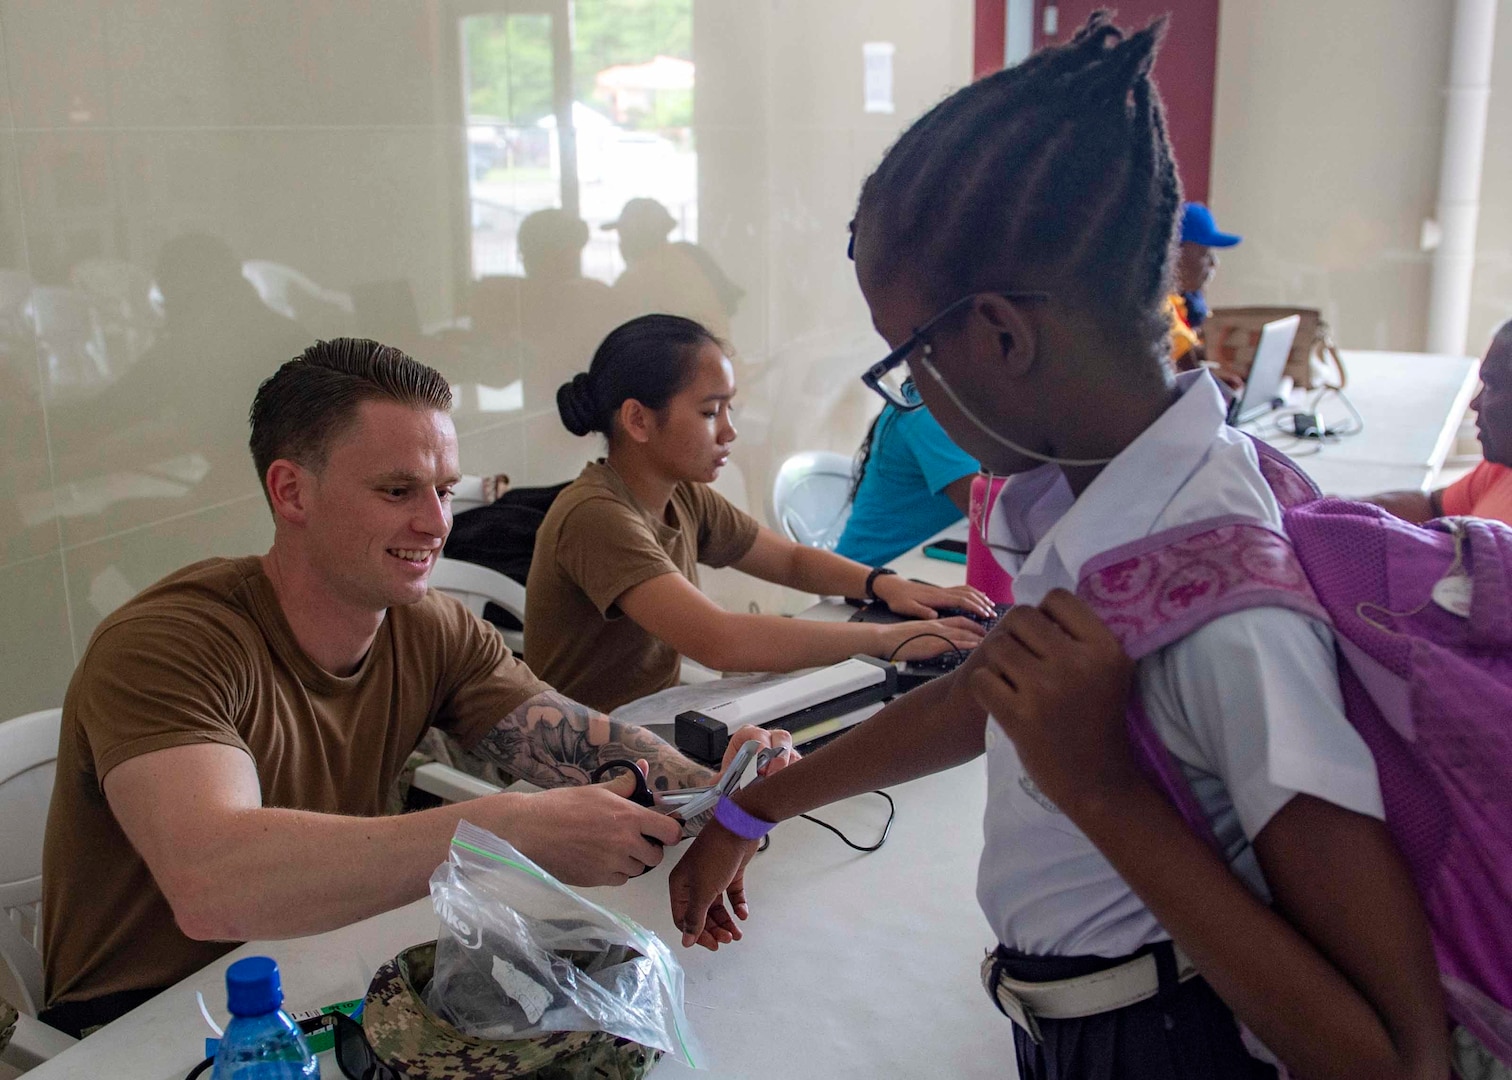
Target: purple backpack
x,y
1423,620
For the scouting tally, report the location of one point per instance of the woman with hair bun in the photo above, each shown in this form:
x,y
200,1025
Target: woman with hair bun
x,y
612,602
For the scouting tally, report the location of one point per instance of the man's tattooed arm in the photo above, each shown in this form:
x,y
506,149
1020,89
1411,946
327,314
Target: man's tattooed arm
x,y
552,741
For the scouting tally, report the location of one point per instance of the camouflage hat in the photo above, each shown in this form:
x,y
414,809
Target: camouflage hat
x,y
8,1018
406,1033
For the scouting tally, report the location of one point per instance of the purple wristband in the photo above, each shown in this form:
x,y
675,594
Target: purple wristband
x,y
745,825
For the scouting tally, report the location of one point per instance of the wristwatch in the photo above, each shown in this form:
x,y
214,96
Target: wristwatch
x,y
871,581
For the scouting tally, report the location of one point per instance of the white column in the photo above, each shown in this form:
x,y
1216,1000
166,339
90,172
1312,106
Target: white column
x,y
1466,100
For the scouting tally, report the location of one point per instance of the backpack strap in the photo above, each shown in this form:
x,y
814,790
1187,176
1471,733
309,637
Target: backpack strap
x,y
1161,588
1288,483
1163,770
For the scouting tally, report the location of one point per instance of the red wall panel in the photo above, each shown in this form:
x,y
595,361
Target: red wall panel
x,y
988,40
1185,72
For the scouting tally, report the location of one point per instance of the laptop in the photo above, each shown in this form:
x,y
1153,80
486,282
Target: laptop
x,y
1262,390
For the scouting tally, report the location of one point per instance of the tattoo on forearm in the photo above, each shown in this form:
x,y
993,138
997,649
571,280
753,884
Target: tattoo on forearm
x,y
553,741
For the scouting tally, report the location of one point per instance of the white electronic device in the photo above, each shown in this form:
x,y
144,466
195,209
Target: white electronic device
x,y
1262,386
810,706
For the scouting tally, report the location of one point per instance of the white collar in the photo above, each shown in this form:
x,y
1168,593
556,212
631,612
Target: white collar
x,y
1127,498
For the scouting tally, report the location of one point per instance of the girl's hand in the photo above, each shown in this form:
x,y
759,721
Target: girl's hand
x,y
714,864
920,601
1057,682
929,638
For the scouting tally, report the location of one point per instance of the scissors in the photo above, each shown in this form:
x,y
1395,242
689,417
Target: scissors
x,y
688,803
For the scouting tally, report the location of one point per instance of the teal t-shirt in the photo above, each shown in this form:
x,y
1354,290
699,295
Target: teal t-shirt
x,y
901,501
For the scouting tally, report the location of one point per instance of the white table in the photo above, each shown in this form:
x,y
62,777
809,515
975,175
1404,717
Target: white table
x,y
855,965
1412,404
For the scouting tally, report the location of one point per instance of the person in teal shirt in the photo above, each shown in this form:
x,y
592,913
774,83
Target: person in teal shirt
x,y
912,481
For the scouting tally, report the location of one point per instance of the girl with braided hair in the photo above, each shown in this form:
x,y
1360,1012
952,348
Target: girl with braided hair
x,y
1014,247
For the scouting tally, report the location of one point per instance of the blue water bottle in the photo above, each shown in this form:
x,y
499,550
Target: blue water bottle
x,y
261,1041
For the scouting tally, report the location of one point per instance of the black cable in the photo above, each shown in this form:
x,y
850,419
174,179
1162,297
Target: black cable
x,y
1283,423
892,812
960,655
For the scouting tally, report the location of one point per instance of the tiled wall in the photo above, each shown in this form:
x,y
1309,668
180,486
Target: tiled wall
x,y
1328,127
329,138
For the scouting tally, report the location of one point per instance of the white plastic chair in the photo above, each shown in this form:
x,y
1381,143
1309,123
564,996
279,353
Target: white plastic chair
x,y
449,784
328,312
121,293
811,498
28,761
74,355
476,586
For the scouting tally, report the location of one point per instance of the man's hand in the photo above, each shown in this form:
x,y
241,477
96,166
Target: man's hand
x,y
713,865
918,600
765,738
592,835
1057,681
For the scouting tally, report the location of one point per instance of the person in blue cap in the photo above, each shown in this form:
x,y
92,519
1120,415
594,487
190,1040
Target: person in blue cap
x,y
1195,265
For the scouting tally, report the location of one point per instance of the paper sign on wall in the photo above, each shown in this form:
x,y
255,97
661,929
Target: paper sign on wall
x,y
877,57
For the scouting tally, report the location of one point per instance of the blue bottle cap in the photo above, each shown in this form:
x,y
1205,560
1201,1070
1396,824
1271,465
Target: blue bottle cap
x,y
253,987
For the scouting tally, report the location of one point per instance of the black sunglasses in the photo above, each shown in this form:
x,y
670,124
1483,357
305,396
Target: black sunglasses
x,y
355,1055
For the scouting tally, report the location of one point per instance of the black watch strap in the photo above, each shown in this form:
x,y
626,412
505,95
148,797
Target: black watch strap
x,y
871,581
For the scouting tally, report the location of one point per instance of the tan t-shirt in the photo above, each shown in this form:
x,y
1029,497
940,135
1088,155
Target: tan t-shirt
x,y
206,656
595,545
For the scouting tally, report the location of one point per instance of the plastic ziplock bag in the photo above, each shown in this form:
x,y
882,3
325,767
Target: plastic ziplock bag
x,y
520,954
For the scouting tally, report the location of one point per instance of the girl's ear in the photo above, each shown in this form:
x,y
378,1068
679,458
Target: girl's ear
x,y
1001,335
636,421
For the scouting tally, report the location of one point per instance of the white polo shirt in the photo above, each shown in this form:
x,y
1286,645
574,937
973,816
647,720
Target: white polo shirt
x,y
1249,704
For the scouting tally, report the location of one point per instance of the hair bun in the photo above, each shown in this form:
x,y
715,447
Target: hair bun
x,y
575,405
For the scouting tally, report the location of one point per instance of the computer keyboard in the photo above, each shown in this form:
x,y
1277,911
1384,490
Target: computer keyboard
x,y
878,612
912,673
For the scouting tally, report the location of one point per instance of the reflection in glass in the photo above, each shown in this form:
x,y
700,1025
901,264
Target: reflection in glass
x,y
158,425
630,69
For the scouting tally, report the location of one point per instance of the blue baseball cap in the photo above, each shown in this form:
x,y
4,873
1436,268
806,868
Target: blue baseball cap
x,y
1198,227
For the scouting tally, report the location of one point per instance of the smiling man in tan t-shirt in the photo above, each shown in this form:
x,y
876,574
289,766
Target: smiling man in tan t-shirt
x,y
230,733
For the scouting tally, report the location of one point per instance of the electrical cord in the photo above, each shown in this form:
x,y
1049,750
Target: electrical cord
x,y
892,807
960,654
1305,425
892,812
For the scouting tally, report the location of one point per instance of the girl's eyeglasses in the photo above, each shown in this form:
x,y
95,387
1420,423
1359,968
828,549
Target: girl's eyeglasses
x,y
891,378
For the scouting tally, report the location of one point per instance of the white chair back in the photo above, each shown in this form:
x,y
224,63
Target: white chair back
x,y
476,586
468,494
28,761
74,356
328,312
811,498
